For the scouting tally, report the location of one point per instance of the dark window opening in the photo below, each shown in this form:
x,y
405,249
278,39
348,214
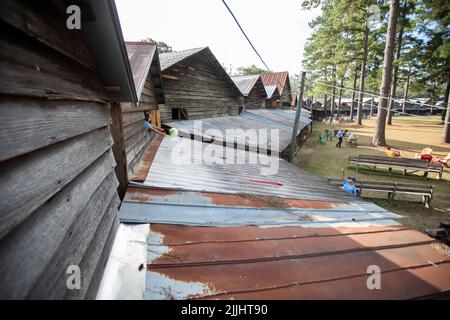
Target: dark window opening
x,y
179,114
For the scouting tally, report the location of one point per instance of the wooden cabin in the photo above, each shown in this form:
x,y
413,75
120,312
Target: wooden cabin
x,y
281,80
273,97
252,88
59,94
196,86
146,71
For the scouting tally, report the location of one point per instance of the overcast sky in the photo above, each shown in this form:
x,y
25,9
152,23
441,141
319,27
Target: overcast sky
x,y
277,28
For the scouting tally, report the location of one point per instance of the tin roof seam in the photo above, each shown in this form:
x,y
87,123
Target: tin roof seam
x,y
286,257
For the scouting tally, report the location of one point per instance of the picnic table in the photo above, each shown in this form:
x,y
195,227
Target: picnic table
x,y
391,189
404,164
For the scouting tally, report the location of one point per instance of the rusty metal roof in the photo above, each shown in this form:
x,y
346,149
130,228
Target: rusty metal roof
x,y
214,234
144,59
292,263
276,78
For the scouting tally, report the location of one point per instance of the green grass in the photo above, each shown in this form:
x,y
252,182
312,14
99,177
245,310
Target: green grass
x,y
409,135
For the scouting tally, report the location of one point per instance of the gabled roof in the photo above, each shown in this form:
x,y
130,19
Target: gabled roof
x,y
271,90
143,58
276,78
168,59
246,83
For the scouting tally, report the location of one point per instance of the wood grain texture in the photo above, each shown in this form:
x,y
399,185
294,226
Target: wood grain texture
x,y
101,264
200,89
92,262
37,239
133,117
42,20
27,182
30,124
28,69
52,283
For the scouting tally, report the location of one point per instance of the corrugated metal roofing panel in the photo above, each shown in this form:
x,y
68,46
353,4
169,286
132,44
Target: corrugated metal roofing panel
x,y
245,83
273,119
191,173
271,90
168,59
214,234
292,262
275,78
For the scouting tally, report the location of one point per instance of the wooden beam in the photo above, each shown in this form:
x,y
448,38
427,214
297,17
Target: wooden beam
x,y
119,148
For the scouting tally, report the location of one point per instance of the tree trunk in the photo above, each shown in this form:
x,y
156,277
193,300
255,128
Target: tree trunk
x,y
352,104
333,106
340,95
379,136
363,75
311,104
395,77
371,107
446,135
405,94
446,98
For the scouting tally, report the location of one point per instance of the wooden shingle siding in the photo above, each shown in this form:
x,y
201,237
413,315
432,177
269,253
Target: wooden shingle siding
x,y
59,189
196,86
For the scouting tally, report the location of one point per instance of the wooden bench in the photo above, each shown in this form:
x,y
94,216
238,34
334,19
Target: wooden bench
x,y
391,189
404,164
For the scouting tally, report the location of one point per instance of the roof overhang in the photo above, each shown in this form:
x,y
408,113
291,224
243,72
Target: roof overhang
x,y
101,30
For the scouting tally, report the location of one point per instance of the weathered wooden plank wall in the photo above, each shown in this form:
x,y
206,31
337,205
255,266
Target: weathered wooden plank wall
x,y
59,190
256,99
137,138
286,95
198,87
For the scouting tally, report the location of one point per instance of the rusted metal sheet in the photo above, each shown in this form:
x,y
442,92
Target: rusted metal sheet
x,y
151,195
275,78
207,253
141,171
291,263
177,235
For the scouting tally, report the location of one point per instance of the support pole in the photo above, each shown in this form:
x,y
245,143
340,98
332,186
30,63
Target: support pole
x,y
293,145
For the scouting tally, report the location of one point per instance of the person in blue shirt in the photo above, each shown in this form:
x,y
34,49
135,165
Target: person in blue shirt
x,y
340,136
349,186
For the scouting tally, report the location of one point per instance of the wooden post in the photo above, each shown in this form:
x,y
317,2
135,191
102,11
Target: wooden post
x,y
119,148
293,146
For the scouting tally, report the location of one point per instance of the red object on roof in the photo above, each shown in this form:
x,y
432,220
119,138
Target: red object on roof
x,y
267,182
275,78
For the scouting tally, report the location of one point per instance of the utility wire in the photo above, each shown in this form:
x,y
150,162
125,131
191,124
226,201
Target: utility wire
x,y
394,111
389,97
245,35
